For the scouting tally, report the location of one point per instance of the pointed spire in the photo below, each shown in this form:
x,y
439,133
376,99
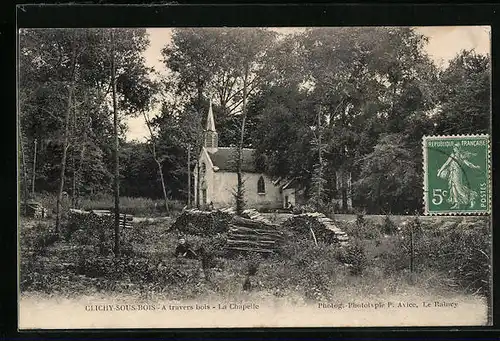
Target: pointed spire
x,y
210,118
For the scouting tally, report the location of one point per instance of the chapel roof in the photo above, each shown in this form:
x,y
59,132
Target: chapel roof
x,y
225,159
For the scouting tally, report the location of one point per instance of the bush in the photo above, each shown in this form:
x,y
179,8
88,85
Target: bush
x,y
213,244
388,226
89,229
142,270
305,267
37,238
463,252
354,255
361,229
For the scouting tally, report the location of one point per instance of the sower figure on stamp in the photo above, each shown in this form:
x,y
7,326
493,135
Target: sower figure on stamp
x,y
183,249
451,170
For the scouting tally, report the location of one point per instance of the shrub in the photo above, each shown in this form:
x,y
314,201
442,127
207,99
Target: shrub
x,y
142,270
37,238
213,244
361,229
463,252
388,226
360,218
303,266
354,255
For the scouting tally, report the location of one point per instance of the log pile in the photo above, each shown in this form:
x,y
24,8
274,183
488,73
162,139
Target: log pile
x,y
78,216
202,223
323,228
252,235
33,209
256,216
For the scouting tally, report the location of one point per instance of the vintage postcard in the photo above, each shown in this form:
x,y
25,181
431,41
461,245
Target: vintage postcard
x,y
254,177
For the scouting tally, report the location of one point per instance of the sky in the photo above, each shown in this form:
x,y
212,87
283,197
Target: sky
x,y
444,43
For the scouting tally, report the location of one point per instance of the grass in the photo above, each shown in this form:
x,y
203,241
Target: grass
x,y
302,273
140,207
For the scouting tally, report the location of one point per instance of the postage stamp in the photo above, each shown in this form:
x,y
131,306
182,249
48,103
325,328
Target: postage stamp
x,y
457,174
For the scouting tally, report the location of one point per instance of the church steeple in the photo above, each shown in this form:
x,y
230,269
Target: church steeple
x,y
211,136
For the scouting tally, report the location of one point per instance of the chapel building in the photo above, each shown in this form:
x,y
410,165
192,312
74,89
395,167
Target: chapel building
x,y
216,181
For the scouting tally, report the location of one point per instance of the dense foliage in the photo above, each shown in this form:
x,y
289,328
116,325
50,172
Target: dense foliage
x,y
345,105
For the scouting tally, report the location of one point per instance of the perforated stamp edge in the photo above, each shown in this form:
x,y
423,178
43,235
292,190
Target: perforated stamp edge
x,y
486,212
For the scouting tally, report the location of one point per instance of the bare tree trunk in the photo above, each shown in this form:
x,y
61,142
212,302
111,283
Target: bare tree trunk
x,y
157,160
189,176
66,141
198,161
343,190
34,171
320,160
198,183
23,165
78,175
73,167
117,171
160,170
239,190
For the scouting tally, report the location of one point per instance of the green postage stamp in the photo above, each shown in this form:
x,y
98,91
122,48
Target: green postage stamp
x,y
457,175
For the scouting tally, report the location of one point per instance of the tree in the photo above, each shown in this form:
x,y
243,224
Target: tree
x,y
225,64
464,94
389,181
157,158
63,72
73,51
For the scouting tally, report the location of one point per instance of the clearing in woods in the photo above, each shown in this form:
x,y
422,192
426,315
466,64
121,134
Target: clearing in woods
x,y
276,285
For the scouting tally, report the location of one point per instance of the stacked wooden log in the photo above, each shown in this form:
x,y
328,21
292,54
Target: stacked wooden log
x,y
252,235
125,219
256,216
203,223
33,209
322,227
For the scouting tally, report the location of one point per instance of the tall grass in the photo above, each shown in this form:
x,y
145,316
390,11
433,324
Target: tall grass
x,y
128,205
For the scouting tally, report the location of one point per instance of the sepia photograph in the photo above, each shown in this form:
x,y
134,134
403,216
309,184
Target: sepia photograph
x,y
217,177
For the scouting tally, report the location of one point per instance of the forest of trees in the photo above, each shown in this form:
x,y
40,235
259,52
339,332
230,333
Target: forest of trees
x,y
317,104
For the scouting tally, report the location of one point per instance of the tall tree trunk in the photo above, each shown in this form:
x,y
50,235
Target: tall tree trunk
x,y
200,113
73,166
160,170
78,175
34,170
157,160
240,200
320,160
24,187
66,140
189,176
345,205
115,126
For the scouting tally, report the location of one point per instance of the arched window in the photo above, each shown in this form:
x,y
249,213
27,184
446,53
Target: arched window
x,y
203,169
261,185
